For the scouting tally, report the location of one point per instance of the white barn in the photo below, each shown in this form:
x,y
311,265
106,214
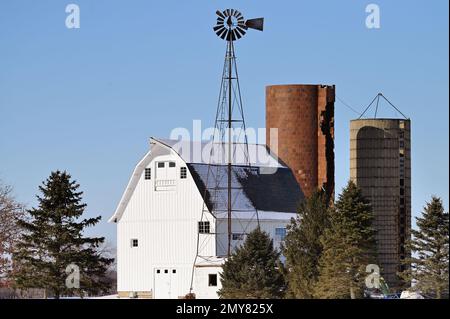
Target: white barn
x,y
163,222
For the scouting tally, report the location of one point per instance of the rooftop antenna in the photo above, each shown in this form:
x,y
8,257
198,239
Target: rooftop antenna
x,y
230,26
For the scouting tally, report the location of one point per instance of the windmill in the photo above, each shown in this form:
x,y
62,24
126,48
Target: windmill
x,y
230,26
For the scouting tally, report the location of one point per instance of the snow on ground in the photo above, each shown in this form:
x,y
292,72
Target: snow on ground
x,y
106,297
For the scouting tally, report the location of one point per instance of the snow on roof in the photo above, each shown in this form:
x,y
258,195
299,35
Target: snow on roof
x,y
262,215
209,152
252,189
266,185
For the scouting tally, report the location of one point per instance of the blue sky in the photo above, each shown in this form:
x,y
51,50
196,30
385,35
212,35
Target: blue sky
x,y
87,100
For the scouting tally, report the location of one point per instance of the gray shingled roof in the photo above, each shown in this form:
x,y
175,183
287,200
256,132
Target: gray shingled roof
x,y
268,185
251,188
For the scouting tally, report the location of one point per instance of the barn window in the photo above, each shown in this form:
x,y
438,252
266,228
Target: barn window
x,y
166,271
174,271
237,236
134,243
158,271
203,227
148,173
183,172
165,176
280,233
212,280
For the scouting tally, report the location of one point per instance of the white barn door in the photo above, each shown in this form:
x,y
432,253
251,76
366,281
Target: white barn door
x,y
166,171
161,170
165,283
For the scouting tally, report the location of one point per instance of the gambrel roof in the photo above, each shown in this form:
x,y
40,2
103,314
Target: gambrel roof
x,y
251,188
266,185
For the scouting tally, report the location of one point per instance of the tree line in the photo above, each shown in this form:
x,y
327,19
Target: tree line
x,y
325,252
327,249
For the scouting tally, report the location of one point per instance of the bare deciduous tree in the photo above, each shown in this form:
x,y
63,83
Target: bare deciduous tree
x,y
10,212
109,250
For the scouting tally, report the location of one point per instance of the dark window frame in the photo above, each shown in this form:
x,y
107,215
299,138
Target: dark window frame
x,y
183,172
148,173
204,227
284,232
238,236
212,280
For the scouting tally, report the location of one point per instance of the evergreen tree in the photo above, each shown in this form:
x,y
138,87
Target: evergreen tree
x,y
429,245
348,247
302,247
53,241
252,271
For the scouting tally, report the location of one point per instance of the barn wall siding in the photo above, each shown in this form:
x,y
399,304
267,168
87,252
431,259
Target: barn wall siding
x,y
165,224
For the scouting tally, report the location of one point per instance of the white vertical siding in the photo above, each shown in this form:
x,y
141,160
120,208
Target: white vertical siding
x,y
242,226
165,224
201,280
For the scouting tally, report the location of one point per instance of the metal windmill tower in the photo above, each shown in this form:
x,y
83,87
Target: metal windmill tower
x,y
229,139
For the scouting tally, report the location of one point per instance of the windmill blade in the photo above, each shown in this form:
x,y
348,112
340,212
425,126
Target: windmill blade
x,y
220,14
233,35
241,31
257,24
224,35
217,27
237,14
220,32
220,20
242,25
232,12
237,34
228,12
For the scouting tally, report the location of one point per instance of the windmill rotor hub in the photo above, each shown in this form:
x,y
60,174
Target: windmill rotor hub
x,y
231,23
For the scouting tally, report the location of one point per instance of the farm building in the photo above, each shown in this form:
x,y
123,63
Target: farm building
x,y
166,244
